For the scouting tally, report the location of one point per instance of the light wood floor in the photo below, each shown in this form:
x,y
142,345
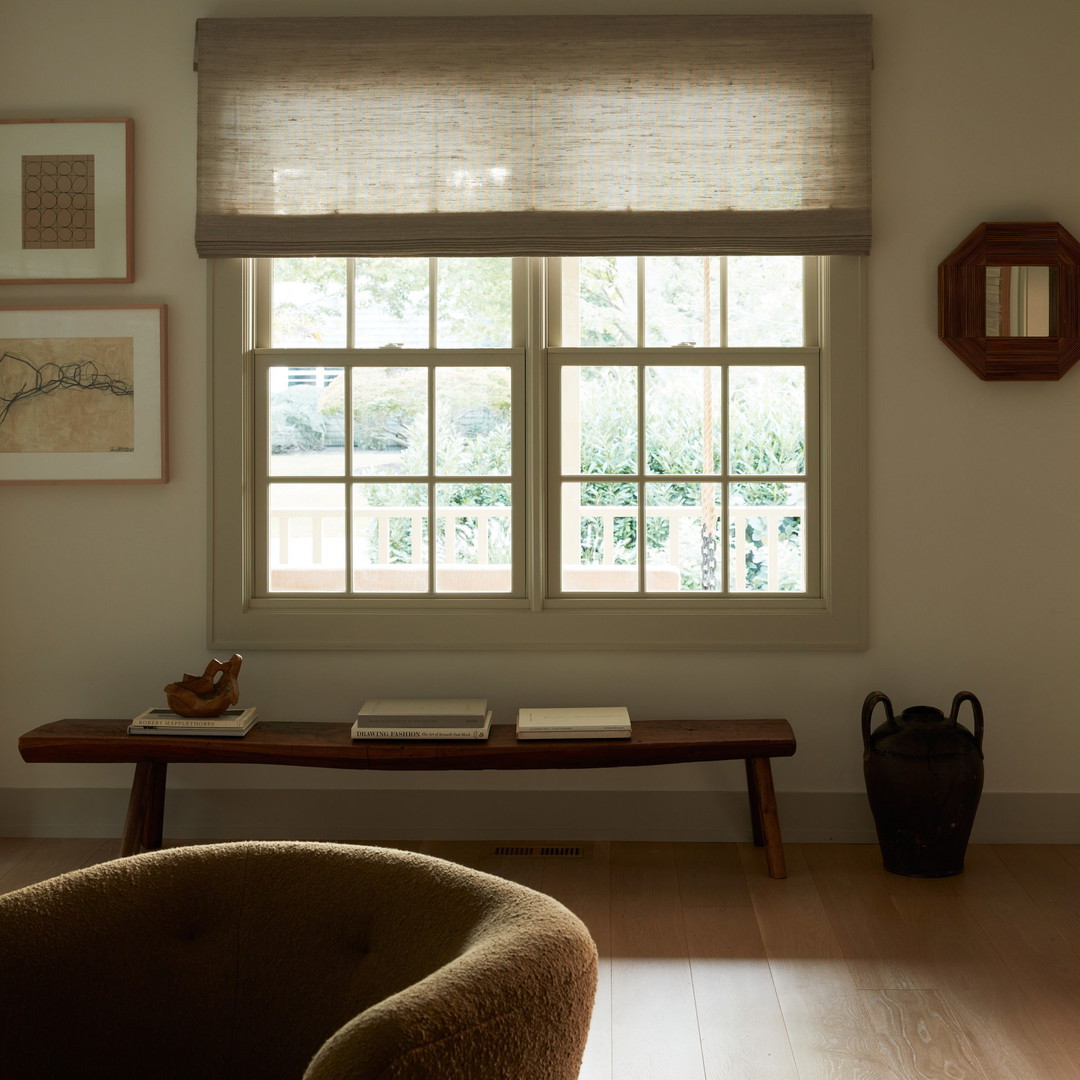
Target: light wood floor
x,y
710,970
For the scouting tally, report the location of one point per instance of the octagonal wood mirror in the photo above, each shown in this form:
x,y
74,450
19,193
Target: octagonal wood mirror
x,y
1009,300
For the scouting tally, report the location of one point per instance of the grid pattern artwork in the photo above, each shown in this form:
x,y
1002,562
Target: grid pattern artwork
x,y
58,201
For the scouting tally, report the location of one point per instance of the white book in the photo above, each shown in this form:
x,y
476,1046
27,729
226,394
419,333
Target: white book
x,y
374,730
205,733
195,726
424,712
237,717
602,722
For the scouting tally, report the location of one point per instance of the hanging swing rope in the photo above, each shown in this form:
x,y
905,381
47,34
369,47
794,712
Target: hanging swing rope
x,y
708,490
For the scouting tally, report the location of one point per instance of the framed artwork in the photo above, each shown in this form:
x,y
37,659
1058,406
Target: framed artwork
x,y
66,205
83,395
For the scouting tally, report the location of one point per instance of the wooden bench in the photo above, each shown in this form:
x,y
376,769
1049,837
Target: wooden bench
x,y
329,746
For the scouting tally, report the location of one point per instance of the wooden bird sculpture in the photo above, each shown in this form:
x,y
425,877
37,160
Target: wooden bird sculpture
x,y
208,694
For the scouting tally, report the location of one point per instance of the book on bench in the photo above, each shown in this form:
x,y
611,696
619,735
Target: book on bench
x,y
235,721
423,712
585,723
375,729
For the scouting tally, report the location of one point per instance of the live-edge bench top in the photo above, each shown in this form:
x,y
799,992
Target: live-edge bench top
x,y
329,745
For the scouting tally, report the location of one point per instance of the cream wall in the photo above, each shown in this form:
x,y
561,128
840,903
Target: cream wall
x,y
974,515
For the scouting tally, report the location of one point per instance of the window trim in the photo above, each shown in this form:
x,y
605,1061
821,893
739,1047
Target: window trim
x,y
835,619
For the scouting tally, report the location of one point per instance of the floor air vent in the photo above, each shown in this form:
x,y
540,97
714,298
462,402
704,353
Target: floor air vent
x,y
542,851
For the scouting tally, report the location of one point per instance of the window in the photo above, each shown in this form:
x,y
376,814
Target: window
x,y
396,475
586,452
680,399
634,444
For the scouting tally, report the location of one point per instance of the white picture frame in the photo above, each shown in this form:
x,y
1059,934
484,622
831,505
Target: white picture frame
x,y
67,201
83,395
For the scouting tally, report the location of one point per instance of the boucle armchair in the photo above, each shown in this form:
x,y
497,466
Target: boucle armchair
x,y
290,960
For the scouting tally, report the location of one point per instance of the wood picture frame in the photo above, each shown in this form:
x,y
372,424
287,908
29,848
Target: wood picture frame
x,y
67,210
83,395
963,301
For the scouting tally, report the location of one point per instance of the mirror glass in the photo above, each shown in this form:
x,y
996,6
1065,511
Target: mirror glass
x,y
1021,301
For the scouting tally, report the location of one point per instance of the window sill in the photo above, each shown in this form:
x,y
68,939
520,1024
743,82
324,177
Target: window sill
x,y
774,623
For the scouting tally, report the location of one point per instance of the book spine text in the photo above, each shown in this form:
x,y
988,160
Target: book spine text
x,y
417,733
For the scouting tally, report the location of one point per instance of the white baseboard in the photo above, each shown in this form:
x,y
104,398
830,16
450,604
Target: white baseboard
x,y
388,816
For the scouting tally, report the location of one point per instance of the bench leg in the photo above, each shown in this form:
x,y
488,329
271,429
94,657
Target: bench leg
x,y
146,809
154,821
764,819
755,803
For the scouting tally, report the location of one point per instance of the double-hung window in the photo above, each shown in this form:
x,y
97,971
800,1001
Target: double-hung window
x,y
535,392
413,449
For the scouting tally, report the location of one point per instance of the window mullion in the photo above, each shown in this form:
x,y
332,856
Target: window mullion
x,y
725,437
532,500
811,301
263,302
813,478
350,302
350,469
433,521
349,413
642,551
641,301
722,286
260,533
433,303
725,484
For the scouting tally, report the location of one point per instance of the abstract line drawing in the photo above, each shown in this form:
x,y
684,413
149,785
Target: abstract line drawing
x,y
52,377
57,201
67,395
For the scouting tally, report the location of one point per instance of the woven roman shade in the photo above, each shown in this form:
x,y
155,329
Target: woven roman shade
x,y
534,135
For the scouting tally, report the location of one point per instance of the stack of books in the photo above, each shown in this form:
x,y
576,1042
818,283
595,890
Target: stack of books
x,y
234,722
589,723
423,718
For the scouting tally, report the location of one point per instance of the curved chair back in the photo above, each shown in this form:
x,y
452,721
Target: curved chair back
x,y
291,960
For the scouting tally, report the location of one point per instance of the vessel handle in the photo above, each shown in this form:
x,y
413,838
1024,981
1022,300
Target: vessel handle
x,y
867,708
976,708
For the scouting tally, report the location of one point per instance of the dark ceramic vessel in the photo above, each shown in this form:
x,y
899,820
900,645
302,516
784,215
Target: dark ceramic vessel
x,y
924,777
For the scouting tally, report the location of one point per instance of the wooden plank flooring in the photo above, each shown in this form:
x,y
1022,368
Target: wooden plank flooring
x,y
710,970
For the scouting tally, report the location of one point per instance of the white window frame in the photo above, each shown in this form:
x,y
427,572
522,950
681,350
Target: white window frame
x,y
831,615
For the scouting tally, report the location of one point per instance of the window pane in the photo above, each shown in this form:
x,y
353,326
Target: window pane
x,y
765,300
392,303
681,554
390,428
307,538
682,300
472,538
390,538
474,304
682,419
472,421
599,420
765,537
607,300
767,419
599,537
307,429
308,305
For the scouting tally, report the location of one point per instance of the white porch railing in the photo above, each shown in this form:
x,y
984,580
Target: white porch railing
x,y
772,518
299,534
311,540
